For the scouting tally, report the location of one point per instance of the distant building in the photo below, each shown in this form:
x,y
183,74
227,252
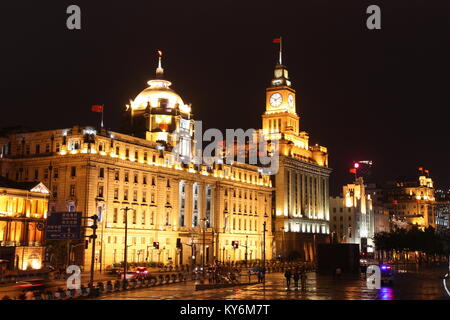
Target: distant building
x,y
442,209
351,216
411,202
382,221
23,210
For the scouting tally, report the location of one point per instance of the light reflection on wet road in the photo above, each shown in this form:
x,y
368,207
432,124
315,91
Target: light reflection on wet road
x,y
408,285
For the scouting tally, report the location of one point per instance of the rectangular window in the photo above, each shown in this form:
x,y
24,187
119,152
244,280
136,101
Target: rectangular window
x,y
125,195
47,148
116,175
145,156
115,215
38,149
136,156
36,174
45,173
144,196
144,179
134,216
143,217
136,179
116,193
101,173
126,176
55,192
73,171
134,195
55,173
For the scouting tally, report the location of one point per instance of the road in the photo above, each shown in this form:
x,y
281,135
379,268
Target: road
x,y
422,284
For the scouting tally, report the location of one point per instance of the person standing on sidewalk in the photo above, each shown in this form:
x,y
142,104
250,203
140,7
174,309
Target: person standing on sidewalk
x,y
303,278
296,278
288,275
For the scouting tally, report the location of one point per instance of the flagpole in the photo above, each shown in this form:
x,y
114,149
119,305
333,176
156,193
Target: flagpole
x,y
281,49
103,107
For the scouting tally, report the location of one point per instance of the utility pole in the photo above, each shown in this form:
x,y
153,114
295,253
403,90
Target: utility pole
x,y
125,261
264,253
94,240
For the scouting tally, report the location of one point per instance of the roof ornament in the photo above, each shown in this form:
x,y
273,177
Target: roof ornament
x,y
159,70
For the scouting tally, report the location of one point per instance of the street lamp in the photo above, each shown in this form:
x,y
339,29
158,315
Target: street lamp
x,y
125,266
246,249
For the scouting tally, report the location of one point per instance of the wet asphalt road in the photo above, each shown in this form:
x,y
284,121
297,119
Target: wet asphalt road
x,y
409,284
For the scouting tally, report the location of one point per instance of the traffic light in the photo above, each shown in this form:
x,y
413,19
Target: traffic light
x,y
155,245
235,244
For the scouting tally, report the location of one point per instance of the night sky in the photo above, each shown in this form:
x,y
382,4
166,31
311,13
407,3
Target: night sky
x,y
377,95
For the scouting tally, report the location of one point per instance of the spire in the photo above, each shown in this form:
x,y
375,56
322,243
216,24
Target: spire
x,y
159,70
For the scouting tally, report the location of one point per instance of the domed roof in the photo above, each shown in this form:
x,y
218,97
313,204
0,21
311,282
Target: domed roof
x,y
158,89
159,94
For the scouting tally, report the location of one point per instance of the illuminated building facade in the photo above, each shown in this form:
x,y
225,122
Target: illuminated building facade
x,y
352,218
23,210
191,210
412,202
442,209
301,208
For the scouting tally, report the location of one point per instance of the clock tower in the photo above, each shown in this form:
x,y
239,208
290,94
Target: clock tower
x,y
280,115
301,182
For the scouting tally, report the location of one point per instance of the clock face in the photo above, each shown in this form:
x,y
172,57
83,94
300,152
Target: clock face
x,y
276,99
291,100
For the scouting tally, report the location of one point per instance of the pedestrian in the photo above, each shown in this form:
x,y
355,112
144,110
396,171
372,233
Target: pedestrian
x,y
296,278
29,295
338,272
288,275
303,279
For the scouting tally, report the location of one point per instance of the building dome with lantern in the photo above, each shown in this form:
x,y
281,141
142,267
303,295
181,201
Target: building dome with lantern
x,y
160,115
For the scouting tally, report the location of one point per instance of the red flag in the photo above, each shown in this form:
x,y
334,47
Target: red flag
x,y
353,170
276,40
97,108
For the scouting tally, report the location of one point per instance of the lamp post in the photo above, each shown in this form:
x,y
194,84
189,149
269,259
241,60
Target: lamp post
x,y
204,245
125,264
283,245
246,249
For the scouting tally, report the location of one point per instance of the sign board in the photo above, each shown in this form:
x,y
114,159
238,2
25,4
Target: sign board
x,y
63,226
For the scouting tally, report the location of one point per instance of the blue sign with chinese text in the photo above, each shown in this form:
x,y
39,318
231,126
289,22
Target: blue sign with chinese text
x,y
63,226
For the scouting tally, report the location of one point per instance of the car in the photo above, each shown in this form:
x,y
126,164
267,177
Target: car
x,y
128,275
33,285
141,272
387,273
